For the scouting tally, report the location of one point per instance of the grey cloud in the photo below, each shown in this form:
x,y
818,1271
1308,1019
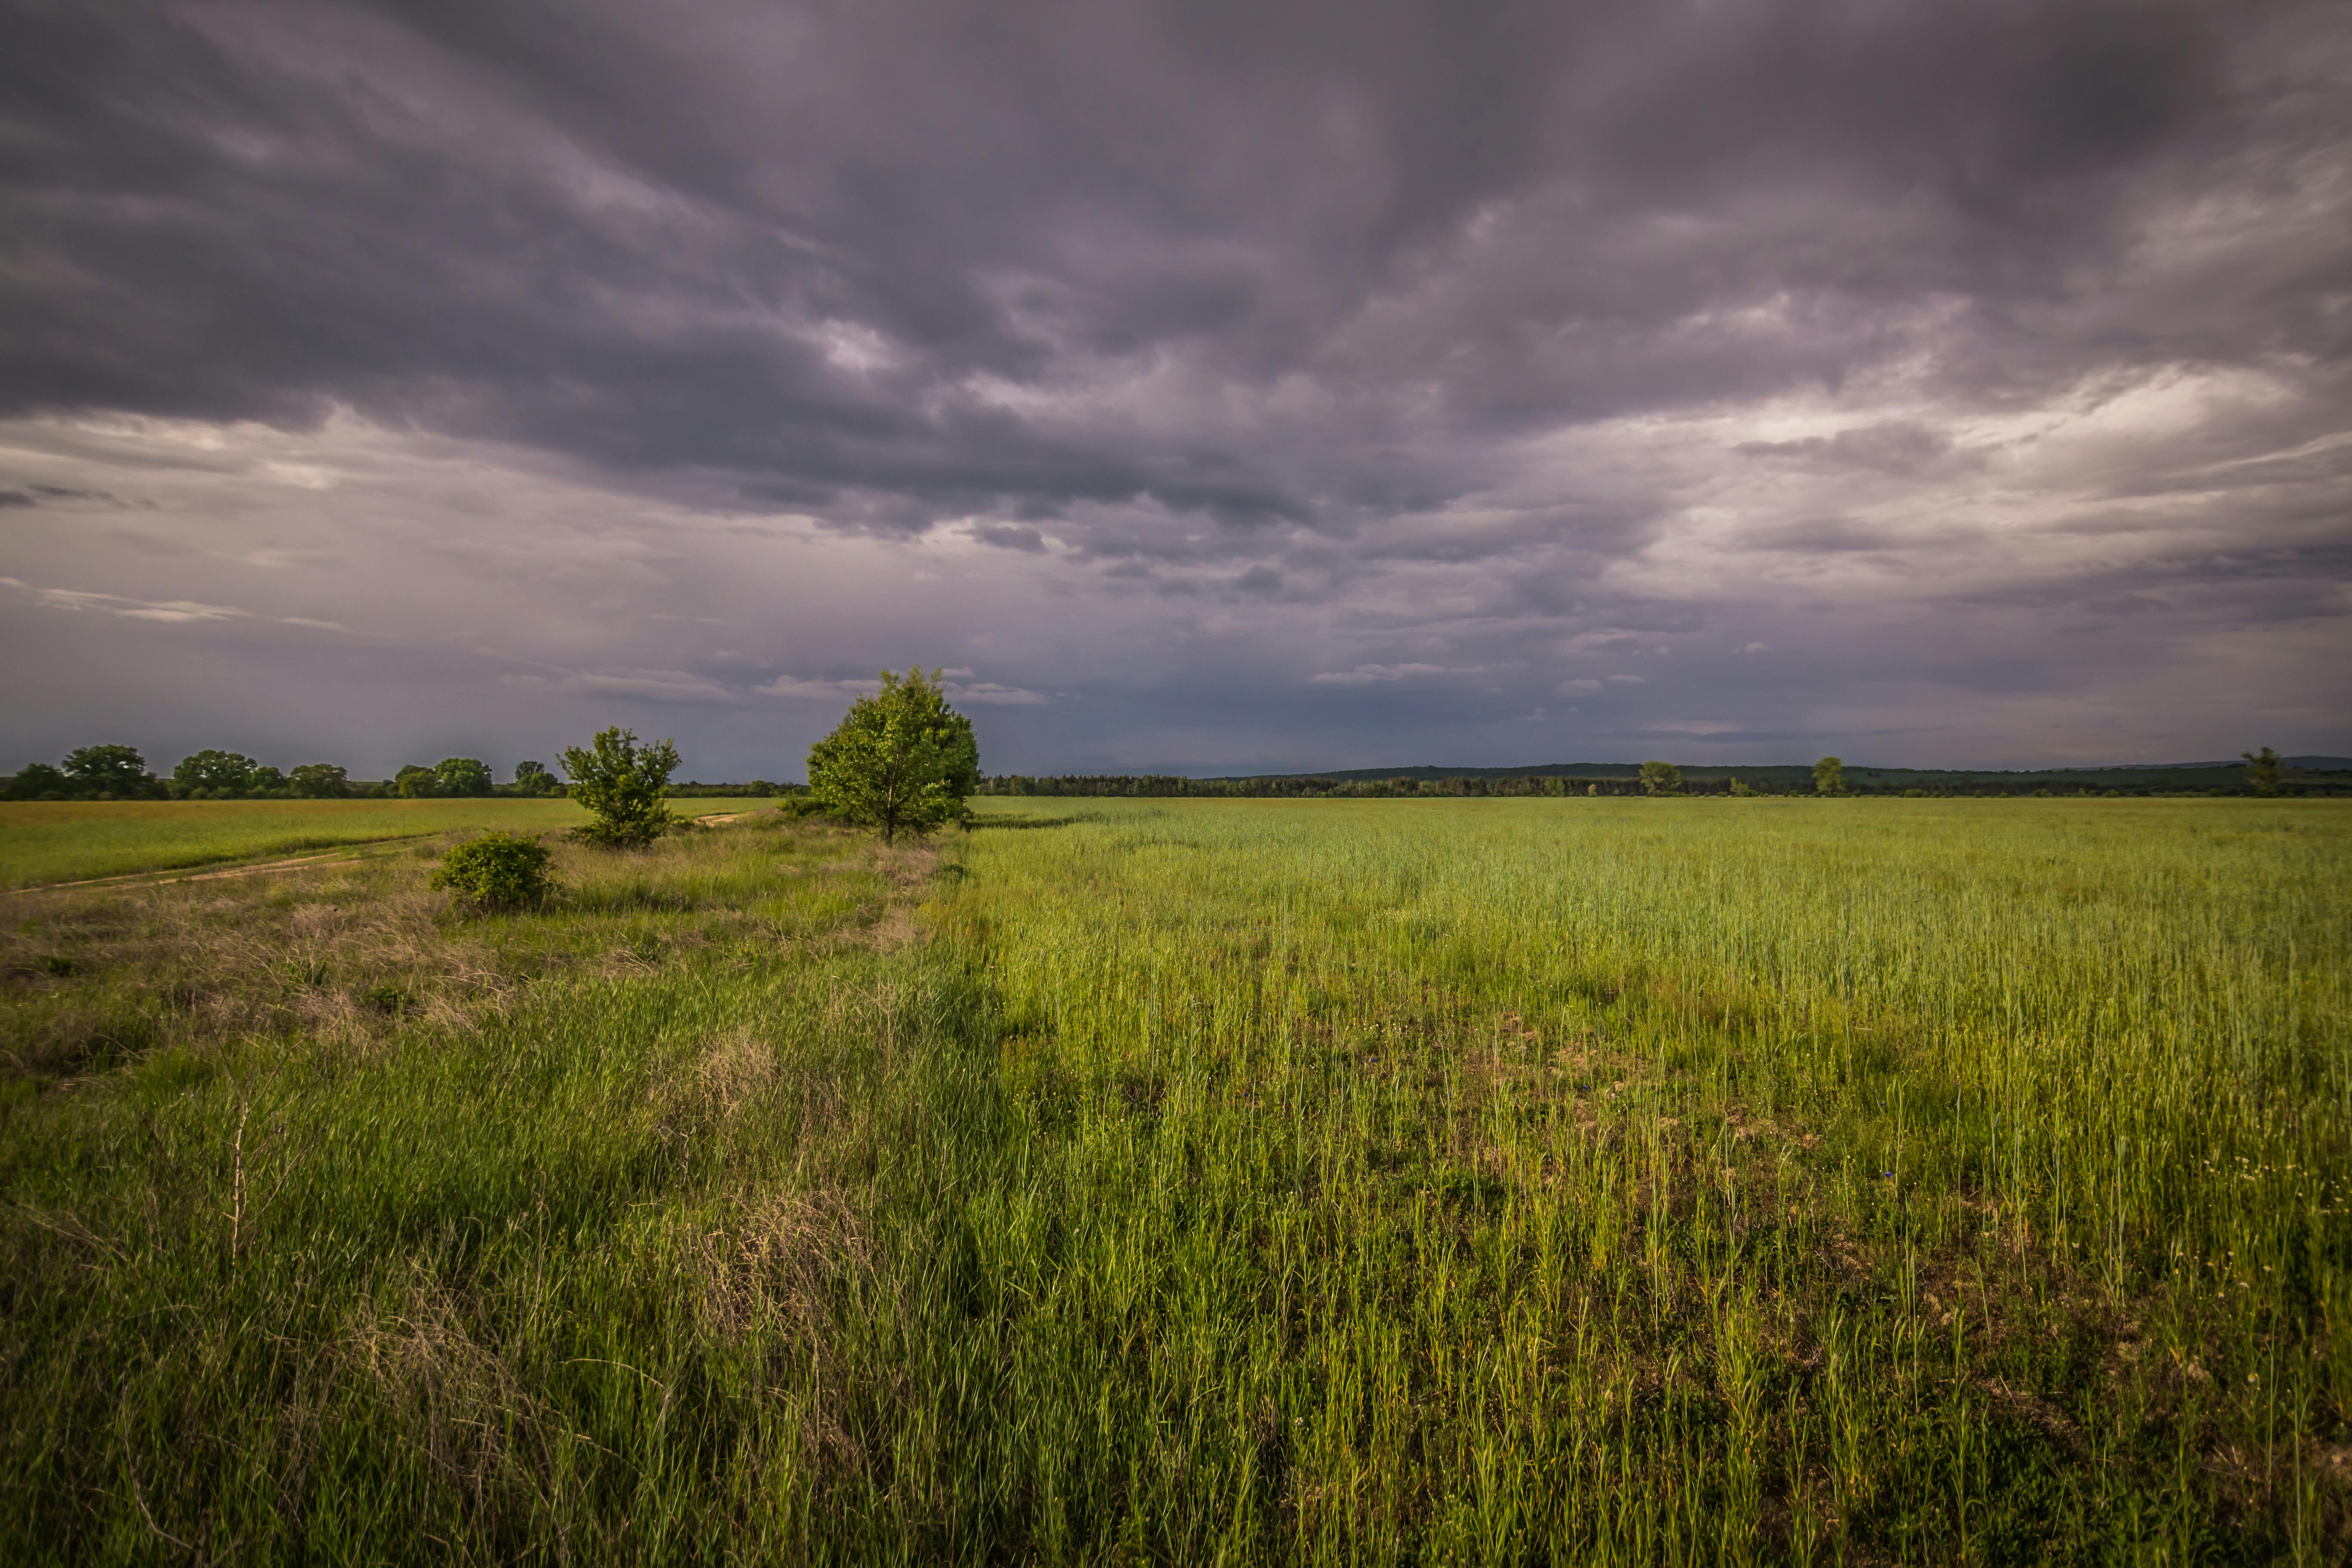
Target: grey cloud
x,y
1006,536
1308,333
1367,674
988,694
1895,448
41,495
310,233
1826,534
663,685
169,611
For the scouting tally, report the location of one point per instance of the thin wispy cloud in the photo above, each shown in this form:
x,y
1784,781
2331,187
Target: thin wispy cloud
x,y
1372,674
817,690
171,611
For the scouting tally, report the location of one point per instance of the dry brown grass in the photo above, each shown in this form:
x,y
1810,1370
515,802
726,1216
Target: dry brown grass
x,y
345,953
185,965
457,1401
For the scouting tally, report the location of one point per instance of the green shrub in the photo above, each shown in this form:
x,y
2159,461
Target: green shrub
x,y
620,783
498,871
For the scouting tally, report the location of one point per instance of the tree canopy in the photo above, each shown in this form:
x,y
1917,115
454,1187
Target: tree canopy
x,y
115,770
621,784
530,778
319,781
901,761
461,777
215,770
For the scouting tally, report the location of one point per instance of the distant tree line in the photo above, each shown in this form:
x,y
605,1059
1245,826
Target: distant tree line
x,y
120,773
1156,785
2265,773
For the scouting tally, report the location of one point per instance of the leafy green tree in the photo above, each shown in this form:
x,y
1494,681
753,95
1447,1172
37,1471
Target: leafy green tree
x,y
498,871
621,784
319,781
38,780
117,771
218,771
1829,776
901,761
1661,778
461,777
416,782
530,778
2264,771
1742,789
266,780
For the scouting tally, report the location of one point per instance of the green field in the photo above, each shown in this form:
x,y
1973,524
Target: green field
x,y
65,841
1240,1182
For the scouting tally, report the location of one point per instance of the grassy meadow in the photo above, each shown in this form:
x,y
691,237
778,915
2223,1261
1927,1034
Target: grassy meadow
x,y
1236,1181
67,841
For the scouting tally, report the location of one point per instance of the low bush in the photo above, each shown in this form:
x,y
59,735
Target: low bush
x,y
498,871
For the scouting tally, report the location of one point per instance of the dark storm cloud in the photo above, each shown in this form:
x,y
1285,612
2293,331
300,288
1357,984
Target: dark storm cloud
x,y
1351,337
580,227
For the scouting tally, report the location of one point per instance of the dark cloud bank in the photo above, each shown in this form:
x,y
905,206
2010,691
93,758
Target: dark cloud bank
x,y
1214,386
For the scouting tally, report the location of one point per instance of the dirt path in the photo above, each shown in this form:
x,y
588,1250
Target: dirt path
x,y
200,874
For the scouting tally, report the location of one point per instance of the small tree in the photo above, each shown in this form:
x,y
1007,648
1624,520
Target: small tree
x,y
1661,778
118,771
901,761
498,871
529,778
2264,771
228,773
319,781
1829,776
461,777
621,784
416,782
1741,788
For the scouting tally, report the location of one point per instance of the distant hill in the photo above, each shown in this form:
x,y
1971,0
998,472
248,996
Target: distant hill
x,y
2304,776
2309,765
2200,775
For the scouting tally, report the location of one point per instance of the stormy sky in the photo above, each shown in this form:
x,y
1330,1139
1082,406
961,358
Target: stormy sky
x,y
1207,386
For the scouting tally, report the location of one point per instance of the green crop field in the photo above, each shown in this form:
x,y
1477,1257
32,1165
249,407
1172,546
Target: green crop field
x,y
64,841
1223,1182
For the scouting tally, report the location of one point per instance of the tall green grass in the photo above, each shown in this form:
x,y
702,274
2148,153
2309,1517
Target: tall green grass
x,y
1243,1182
65,841
1645,1180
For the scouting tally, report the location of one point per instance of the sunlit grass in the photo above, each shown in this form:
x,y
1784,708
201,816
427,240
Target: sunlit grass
x,y
1639,1179
1256,1182
64,841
